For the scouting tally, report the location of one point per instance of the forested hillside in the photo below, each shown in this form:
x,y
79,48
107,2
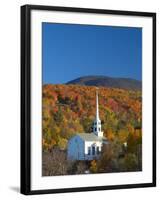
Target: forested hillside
x,y
70,109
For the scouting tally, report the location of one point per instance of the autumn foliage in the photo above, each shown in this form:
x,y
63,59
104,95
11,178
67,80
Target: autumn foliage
x,y
70,109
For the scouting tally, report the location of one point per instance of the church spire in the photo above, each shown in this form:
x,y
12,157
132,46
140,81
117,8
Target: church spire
x,y
97,122
97,106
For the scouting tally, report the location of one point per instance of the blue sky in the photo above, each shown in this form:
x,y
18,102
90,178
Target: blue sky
x,y
70,51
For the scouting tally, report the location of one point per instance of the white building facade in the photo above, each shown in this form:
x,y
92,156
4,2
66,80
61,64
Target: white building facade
x,y
87,146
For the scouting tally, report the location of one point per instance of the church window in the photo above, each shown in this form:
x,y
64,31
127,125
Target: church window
x,y
95,129
89,150
93,150
99,129
97,150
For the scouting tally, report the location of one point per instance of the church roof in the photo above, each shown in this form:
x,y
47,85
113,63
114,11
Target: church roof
x,y
91,137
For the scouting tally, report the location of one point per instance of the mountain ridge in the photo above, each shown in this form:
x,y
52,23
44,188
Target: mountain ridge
x,y
107,81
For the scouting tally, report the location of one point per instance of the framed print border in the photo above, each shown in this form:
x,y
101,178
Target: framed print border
x,y
26,98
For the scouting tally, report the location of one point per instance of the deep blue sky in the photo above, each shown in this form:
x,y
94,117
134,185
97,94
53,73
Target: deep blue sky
x,y
71,51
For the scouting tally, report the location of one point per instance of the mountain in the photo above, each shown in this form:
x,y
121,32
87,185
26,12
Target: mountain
x,y
105,81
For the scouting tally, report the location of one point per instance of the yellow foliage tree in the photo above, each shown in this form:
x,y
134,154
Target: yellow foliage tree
x,y
93,167
110,135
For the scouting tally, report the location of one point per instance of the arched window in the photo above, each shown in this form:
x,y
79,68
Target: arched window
x,y
89,150
93,150
97,150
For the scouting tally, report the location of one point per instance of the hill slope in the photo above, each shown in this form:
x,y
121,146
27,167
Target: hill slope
x,y
105,81
70,109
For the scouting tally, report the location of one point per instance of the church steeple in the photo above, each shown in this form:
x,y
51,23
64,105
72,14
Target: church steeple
x,y
97,122
97,106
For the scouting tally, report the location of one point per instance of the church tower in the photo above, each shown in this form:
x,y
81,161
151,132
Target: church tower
x,y
97,122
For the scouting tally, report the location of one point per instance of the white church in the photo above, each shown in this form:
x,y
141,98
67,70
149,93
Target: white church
x,y
87,146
